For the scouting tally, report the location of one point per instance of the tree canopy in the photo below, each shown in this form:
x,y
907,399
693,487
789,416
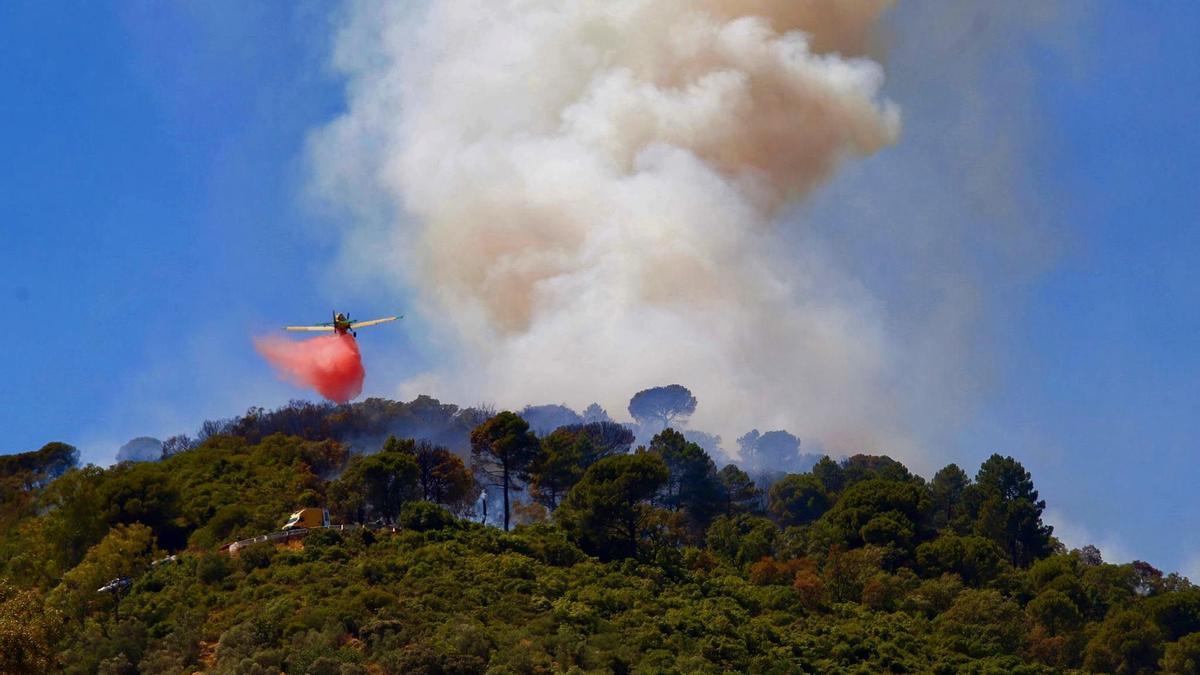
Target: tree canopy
x,y
502,450
662,406
643,561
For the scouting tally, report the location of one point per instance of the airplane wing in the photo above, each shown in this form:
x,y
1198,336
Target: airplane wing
x,y
363,324
319,328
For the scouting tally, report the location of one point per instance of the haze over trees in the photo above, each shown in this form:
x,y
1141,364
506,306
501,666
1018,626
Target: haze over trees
x,y
646,559
773,453
662,406
141,449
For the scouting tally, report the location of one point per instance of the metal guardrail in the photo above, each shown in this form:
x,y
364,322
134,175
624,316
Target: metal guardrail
x,y
297,533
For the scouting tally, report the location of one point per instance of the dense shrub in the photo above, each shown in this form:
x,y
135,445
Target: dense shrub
x,y
423,516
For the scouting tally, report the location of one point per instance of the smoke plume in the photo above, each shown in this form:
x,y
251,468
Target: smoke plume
x,y
591,198
331,364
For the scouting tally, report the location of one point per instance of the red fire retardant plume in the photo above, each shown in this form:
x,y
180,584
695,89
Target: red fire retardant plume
x,y
330,364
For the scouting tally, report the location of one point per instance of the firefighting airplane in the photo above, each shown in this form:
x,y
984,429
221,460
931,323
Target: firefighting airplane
x,y
342,324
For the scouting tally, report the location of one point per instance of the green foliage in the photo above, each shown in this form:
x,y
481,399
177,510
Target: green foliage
x,y
502,450
256,556
424,516
567,452
213,567
377,486
28,631
33,470
882,512
975,559
1182,657
738,492
830,475
608,511
980,623
75,516
1056,612
558,465
1127,642
143,493
1176,613
1009,510
692,487
743,538
125,551
650,562
443,478
859,468
798,499
948,492
662,405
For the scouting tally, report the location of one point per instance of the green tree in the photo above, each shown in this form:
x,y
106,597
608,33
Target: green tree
x,y
29,631
1010,511
897,509
1127,643
980,623
389,480
859,468
1176,613
1055,612
738,492
406,446
947,492
502,450
608,511
1182,657
976,559
35,470
847,573
443,478
376,486
1106,587
347,503
830,475
597,440
692,485
568,451
558,465
741,538
125,551
145,493
798,499
772,452
662,405
76,515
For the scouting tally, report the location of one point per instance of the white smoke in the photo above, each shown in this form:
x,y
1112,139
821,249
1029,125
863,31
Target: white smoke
x,y
587,196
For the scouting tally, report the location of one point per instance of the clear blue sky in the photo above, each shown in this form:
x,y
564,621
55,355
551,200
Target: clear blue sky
x,y
152,217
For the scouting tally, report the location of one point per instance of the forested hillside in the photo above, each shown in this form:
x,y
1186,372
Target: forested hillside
x,y
619,557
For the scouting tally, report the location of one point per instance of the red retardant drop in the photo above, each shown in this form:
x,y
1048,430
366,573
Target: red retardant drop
x,y
330,364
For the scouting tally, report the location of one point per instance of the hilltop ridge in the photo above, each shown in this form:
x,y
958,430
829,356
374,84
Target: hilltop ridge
x,y
623,557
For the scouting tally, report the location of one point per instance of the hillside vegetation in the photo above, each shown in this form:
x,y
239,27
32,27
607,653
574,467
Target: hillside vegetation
x,y
619,560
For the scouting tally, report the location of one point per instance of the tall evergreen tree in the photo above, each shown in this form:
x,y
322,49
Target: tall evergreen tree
x,y
738,491
692,486
609,509
502,449
1010,512
946,490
